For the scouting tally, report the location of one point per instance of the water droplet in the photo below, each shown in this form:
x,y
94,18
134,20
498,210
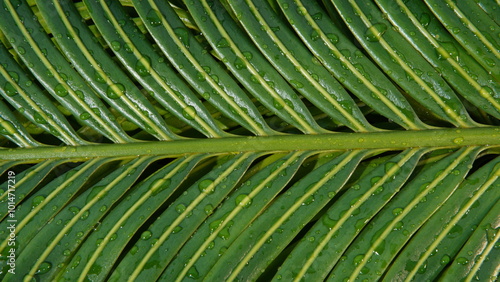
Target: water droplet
x,y
116,45
455,231
67,252
37,200
296,84
301,11
183,35
176,229
146,235
14,75
209,209
397,211
458,140
21,50
445,259
61,90
44,267
425,19
154,17
239,63
333,38
134,250
358,259
462,261
115,91
374,180
180,208
74,210
215,78
243,200
143,66
375,32
389,166
206,186
10,90
328,222
317,16
201,76
84,116
39,118
315,35
398,226
159,185
189,113
490,62
223,43
193,273
85,215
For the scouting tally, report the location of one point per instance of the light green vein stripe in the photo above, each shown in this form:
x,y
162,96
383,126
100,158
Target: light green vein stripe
x,y
227,219
349,212
473,28
126,216
6,125
103,74
449,111
254,72
302,70
464,209
484,256
208,78
153,71
185,214
287,215
68,139
246,201
355,71
407,210
21,182
443,53
49,197
76,218
56,74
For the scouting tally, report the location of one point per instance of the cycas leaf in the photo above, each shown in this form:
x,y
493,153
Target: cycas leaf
x,y
249,140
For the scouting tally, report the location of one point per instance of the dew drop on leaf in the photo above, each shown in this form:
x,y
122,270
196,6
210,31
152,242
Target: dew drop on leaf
x,y
358,259
84,116
239,63
243,200
223,43
143,66
44,267
375,32
154,17
462,261
60,90
37,200
10,90
146,235
193,273
134,250
115,91
116,45
189,112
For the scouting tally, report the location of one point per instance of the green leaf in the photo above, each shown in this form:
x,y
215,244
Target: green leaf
x,y
249,140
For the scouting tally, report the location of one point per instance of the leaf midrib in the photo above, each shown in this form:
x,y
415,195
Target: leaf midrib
x,y
389,140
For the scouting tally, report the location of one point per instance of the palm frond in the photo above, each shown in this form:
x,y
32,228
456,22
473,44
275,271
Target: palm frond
x,y
249,140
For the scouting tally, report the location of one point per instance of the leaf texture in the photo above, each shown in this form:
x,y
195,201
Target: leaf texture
x,y
249,140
